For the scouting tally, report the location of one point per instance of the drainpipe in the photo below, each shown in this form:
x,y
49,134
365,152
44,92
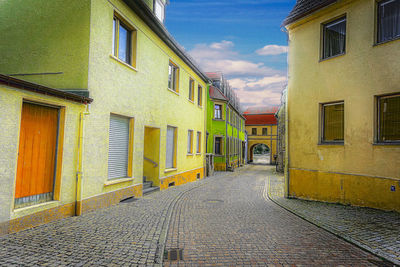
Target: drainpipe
x,y
226,137
79,172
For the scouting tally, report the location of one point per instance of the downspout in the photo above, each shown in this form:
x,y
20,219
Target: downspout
x,y
226,137
79,172
286,167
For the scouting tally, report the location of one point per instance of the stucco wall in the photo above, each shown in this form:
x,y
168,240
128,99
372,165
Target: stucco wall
x,y
11,100
49,37
141,94
366,70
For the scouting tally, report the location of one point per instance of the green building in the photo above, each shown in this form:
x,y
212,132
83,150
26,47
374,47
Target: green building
x,y
225,125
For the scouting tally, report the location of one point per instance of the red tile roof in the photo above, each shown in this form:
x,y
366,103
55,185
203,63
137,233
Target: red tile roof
x,y
260,119
262,110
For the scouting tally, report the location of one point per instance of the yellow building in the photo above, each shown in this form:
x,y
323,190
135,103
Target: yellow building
x,y
146,126
344,102
261,127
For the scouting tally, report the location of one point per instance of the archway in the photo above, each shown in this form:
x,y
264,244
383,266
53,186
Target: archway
x,y
260,154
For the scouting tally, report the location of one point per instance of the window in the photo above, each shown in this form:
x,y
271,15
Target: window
x,y
217,111
200,96
334,38
191,89
159,10
389,118
118,147
264,131
253,131
388,20
173,77
124,41
333,122
171,148
198,149
218,146
190,142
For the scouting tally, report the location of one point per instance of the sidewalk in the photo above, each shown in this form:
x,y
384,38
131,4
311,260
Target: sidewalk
x,y
374,230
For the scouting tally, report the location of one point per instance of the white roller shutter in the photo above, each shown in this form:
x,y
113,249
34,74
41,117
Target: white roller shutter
x,y
118,147
170,147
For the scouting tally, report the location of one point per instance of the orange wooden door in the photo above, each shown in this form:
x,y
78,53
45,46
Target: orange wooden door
x,y
37,150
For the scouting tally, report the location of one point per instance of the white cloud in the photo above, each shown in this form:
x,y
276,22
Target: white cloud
x,y
255,83
271,50
221,57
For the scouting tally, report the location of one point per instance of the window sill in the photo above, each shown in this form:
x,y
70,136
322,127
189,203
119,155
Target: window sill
x,y
214,119
331,143
118,181
387,41
48,205
123,63
332,57
191,101
386,144
189,154
198,154
170,170
200,106
175,92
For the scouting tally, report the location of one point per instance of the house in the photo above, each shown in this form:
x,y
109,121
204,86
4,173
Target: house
x,y
344,102
146,129
261,127
39,142
225,125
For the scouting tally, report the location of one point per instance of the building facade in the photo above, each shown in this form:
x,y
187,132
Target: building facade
x,y
261,127
225,125
147,125
344,102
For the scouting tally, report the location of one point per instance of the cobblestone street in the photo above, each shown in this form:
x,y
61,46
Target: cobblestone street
x,y
224,220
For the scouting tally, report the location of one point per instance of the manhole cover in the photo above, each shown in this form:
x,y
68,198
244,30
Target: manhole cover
x,y
173,254
214,200
246,231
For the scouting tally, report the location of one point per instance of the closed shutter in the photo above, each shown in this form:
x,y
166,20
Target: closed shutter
x,y
118,147
170,147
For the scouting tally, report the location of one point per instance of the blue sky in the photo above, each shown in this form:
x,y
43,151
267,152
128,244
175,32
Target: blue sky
x,y
242,38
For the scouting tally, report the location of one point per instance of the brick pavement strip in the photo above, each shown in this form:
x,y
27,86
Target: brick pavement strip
x,y
374,230
231,222
125,234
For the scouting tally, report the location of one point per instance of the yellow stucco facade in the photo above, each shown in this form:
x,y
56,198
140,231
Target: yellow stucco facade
x,y
270,139
358,171
138,92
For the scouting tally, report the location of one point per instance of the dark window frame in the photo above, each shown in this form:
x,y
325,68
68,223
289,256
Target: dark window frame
x,y
324,27
378,39
378,136
322,140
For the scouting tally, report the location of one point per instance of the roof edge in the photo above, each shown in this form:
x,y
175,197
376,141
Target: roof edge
x,y
33,87
145,13
288,20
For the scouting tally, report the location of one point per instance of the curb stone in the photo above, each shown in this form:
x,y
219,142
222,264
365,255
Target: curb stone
x,y
385,258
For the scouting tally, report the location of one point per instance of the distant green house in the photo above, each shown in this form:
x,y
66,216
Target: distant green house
x,y
225,125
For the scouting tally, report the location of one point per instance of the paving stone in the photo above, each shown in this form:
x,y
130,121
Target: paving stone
x,y
230,222
375,230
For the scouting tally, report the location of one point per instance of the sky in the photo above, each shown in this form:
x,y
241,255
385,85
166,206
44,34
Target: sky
x,y
242,38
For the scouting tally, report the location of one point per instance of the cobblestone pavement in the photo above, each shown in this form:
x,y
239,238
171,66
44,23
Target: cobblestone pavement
x,y
231,222
122,235
375,230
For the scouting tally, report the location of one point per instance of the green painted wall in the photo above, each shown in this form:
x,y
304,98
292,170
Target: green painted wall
x,y
47,37
221,128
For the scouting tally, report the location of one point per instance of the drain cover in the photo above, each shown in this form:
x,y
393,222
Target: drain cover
x,y
174,254
128,200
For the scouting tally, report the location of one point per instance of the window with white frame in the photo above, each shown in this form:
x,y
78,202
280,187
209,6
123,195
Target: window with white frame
x,y
173,77
217,111
159,10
